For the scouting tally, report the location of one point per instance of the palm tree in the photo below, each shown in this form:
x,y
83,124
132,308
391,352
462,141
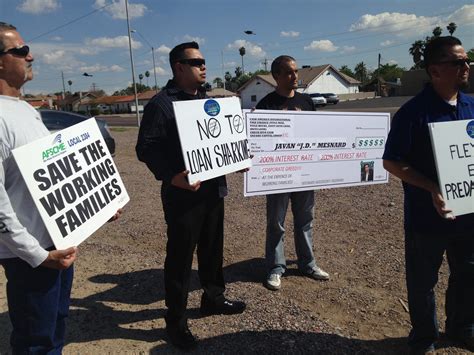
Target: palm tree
x,y
242,53
360,72
140,77
416,51
346,70
451,28
228,76
69,82
437,31
147,74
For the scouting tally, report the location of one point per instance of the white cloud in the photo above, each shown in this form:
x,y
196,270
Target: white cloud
x,y
251,49
324,45
159,71
112,42
100,68
54,57
117,9
463,15
38,6
56,38
394,21
230,64
116,68
348,49
289,34
163,49
392,62
189,38
386,43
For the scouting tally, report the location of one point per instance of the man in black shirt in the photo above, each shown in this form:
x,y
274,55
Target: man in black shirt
x,y
285,97
194,212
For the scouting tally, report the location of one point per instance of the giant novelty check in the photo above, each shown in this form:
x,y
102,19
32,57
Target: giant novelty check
x,y
303,150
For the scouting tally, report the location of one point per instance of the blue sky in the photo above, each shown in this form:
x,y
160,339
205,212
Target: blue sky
x,y
314,32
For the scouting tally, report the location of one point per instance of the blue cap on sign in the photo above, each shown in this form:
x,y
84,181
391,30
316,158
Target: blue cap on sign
x,y
470,128
212,108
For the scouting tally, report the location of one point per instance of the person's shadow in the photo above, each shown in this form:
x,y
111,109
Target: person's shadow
x,y
99,316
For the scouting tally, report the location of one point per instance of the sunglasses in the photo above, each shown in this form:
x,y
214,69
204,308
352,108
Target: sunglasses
x,y
457,62
18,51
194,62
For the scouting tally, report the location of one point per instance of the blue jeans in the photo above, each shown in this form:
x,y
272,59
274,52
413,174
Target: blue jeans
x,y
302,206
423,256
38,304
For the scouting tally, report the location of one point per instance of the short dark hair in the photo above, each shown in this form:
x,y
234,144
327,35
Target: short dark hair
x,y
437,49
5,27
276,64
177,53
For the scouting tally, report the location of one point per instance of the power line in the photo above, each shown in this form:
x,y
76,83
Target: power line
x,y
69,23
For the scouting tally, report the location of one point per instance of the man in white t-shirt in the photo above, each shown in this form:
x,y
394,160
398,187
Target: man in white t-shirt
x,y
39,277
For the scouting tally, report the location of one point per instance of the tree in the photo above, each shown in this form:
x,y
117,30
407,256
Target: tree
x,y
147,74
207,86
242,53
69,82
389,72
140,77
437,31
346,70
219,83
470,54
238,72
228,76
360,72
129,90
451,28
416,51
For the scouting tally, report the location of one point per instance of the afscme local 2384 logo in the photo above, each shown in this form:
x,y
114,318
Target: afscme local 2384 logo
x,y
58,147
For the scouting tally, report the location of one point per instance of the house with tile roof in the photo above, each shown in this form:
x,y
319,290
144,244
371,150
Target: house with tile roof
x,y
322,79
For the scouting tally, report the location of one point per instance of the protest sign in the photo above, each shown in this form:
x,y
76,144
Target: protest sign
x,y
453,149
73,181
213,137
307,150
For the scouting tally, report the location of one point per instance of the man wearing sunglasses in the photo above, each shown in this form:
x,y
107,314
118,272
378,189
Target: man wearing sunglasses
x,y
39,278
194,213
429,231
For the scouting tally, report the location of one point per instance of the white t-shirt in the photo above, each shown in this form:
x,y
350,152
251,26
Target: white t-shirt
x,y
22,231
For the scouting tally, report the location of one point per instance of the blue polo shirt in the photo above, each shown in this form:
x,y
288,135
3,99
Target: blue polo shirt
x,y
409,141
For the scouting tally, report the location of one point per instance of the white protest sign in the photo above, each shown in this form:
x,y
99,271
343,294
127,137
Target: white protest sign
x,y
213,137
307,150
73,181
453,148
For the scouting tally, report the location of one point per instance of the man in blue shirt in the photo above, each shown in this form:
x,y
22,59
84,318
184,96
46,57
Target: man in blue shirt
x,y
429,228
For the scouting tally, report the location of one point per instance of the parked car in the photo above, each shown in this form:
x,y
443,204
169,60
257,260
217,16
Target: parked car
x,y
57,120
331,98
318,99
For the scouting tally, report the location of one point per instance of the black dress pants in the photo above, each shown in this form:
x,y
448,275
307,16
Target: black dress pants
x,y
194,219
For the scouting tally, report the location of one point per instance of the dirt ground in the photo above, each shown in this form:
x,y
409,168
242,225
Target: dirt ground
x,y
118,295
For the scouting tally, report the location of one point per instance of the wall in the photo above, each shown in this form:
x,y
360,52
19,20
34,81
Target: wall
x,y
253,89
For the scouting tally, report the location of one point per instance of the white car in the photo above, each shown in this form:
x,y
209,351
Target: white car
x,y
318,99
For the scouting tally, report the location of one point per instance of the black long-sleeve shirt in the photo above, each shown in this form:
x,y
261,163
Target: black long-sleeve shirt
x,y
158,144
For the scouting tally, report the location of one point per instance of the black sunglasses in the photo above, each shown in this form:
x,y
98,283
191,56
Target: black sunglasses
x,y
194,62
457,62
18,51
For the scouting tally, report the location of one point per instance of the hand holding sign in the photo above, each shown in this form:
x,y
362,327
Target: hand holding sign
x,y
60,259
181,180
440,206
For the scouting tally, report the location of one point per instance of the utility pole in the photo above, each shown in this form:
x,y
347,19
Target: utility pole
x,y
154,68
265,63
378,76
64,87
131,61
